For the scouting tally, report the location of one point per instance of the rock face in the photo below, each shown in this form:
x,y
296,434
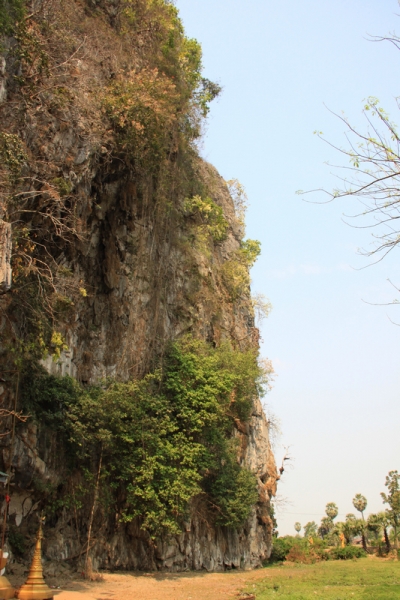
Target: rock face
x,y
124,265
5,256
148,282
200,546
111,329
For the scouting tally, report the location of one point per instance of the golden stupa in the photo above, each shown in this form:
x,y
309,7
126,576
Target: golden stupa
x,y
6,589
35,587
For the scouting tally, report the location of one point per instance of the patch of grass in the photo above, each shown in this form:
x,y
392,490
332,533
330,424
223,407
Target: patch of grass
x,y
364,579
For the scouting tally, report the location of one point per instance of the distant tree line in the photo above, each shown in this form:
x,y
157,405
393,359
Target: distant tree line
x,y
379,530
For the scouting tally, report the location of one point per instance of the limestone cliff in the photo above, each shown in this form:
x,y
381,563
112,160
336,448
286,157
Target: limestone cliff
x,y
123,241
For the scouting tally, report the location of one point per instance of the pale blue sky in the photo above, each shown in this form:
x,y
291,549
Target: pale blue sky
x,y
337,358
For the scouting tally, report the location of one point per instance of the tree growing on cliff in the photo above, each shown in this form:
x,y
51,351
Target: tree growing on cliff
x,y
168,438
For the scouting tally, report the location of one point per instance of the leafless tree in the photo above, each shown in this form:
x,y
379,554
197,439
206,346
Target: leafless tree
x,y
286,457
372,173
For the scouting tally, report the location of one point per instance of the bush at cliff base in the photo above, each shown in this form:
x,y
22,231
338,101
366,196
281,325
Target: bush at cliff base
x,y
296,549
280,548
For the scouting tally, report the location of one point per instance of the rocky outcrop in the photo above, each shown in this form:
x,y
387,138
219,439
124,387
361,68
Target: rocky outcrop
x,y
5,256
200,546
120,266
148,284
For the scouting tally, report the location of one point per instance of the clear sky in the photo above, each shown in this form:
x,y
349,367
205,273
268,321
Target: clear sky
x,y
336,356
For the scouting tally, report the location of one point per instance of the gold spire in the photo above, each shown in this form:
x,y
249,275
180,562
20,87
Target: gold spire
x,y
35,587
6,590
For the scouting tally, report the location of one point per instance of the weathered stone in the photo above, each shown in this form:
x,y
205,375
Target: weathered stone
x,y
3,89
147,280
5,256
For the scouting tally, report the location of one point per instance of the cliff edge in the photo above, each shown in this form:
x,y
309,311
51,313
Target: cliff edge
x,y
124,281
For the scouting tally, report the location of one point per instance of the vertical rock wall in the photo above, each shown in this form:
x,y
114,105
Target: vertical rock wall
x,y
135,267
5,256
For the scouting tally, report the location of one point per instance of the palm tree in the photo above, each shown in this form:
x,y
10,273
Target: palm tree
x,y
310,529
393,499
378,523
385,524
331,510
350,517
360,504
349,527
374,524
325,527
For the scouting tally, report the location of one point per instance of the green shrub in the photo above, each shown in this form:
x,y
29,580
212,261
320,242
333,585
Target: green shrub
x,y
210,215
12,153
158,109
235,272
163,439
166,438
17,541
234,490
347,553
45,397
296,549
280,548
11,11
143,109
63,186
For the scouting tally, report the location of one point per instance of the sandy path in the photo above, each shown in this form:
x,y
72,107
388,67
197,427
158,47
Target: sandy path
x,y
166,586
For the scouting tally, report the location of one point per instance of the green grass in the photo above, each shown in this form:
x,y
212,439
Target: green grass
x,y
363,579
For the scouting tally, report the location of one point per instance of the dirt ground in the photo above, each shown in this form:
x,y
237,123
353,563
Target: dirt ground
x,y
166,586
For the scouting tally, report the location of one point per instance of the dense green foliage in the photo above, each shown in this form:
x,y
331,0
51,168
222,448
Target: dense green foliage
x,y
280,548
233,490
11,11
347,553
377,532
163,439
45,397
303,550
310,529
